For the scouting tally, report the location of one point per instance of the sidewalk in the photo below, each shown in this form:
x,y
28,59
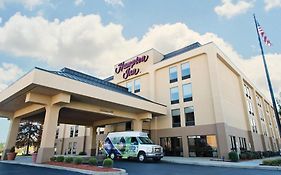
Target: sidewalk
x,y
250,164
26,160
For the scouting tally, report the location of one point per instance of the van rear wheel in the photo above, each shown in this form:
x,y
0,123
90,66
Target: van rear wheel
x,y
141,157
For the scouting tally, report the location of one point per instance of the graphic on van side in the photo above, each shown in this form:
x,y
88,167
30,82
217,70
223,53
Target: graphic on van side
x,y
121,146
110,148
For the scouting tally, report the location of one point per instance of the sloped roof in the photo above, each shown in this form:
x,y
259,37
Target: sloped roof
x,y
85,78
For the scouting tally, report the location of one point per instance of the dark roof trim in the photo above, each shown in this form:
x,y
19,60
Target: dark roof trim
x,y
182,50
109,78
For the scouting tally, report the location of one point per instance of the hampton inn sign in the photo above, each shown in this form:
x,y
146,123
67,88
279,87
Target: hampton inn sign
x,y
127,68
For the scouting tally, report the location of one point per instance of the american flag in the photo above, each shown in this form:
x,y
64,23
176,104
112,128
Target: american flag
x,y
263,36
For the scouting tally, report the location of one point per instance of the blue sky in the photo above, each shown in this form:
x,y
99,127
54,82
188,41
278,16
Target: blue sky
x,y
83,34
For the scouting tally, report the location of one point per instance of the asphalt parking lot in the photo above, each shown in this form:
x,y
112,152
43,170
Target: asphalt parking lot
x,y
136,168
162,168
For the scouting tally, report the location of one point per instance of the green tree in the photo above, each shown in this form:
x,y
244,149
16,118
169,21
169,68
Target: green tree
x,y
1,147
29,135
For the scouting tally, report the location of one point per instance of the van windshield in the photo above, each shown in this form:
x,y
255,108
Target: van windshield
x,y
145,140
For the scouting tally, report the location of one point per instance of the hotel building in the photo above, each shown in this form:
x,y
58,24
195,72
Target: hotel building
x,y
193,102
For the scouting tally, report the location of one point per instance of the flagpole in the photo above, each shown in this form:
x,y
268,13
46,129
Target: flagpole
x,y
268,80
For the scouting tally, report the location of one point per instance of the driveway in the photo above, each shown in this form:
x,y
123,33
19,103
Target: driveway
x,y
161,168
9,169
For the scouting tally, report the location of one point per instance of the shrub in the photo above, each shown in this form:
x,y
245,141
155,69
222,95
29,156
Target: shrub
x,y
78,160
93,161
60,159
53,159
108,163
85,160
82,153
265,154
259,154
68,160
243,156
233,156
274,162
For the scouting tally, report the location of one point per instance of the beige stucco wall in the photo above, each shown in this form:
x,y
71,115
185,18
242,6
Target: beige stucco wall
x,y
231,97
202,98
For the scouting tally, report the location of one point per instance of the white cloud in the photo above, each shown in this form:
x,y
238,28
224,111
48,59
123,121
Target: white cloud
x,y
269,4
83,42
79,2
9,72
115,2
28,4
254,70
230,9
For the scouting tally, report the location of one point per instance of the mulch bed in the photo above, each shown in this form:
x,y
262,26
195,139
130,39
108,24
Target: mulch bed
x,y
83,167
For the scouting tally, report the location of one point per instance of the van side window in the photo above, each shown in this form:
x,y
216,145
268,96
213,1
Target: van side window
x,y
134,141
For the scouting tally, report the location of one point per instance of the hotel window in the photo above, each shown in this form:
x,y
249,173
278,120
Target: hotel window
x,y
76,131
254,125
187,92
259,101
264,129
173,74
250,108
57,133
137,85
185,71
233,143
55,151
261,114
174,92
71,131
74,147
69,148
247,91
176,118
189,116
242,143
129,85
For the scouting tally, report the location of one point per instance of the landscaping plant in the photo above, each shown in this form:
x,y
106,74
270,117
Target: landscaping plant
x,y
108,163
77,160
93,161
60,159
233,156
12,154
273,162
53,159
68,160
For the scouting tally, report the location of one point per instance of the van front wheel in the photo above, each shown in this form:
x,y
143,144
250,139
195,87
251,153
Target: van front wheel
x,y
141,157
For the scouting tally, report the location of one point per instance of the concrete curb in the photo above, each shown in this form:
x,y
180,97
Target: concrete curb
x,y
121,172
260,167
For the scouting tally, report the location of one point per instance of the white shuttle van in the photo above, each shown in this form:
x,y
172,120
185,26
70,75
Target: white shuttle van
x,y
131,144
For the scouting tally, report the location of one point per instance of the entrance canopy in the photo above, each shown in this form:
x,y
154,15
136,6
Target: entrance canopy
x,y
73,91
70,97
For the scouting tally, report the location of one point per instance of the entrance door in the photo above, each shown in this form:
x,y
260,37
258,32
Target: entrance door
x,y
172,146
